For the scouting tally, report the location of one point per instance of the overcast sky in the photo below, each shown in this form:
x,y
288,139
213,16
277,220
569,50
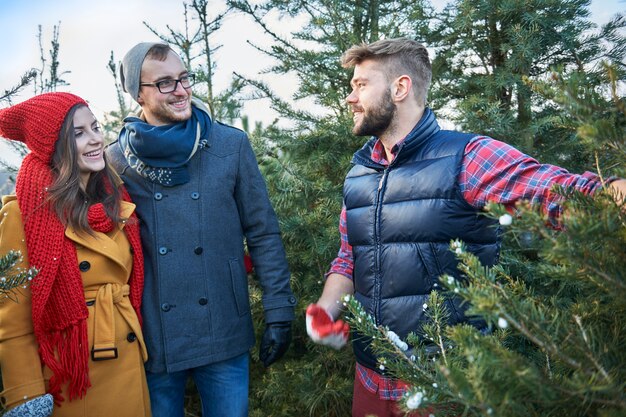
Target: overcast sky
x,y
89,31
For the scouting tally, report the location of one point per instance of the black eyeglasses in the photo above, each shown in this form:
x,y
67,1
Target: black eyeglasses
x,y
169,86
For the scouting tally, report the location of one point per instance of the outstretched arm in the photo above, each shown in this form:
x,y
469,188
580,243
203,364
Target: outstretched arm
x,y
493,171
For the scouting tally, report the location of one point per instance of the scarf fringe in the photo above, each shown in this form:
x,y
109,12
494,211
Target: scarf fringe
x,y
70,364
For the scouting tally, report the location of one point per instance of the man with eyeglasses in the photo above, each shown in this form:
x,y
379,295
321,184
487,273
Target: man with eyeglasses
x,y
199,194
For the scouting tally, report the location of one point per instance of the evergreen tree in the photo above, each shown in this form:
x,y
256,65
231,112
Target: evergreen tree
x,y
555,302
50,74
488,50
114,120
304,158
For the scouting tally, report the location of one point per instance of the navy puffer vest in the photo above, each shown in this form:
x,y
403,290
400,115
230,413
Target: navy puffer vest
x,y
400,221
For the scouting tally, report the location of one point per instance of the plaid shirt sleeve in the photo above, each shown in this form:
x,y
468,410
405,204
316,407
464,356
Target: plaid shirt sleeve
x,y
344,262
493,171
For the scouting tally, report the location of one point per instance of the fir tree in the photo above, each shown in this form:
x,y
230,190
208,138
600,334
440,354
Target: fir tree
x,y
306,161
113,121
304,158
487,50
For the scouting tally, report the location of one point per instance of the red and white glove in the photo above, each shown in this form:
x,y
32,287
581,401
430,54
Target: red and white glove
x,y
323,329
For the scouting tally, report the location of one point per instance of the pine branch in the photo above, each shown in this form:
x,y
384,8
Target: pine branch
x,y
11,282
26,79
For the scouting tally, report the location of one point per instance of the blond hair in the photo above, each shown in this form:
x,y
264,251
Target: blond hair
x,y
399,56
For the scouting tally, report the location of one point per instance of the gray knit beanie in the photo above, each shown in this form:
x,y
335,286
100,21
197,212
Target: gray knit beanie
x,y
130,68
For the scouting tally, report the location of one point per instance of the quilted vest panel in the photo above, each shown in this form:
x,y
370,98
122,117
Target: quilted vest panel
x,y
400,221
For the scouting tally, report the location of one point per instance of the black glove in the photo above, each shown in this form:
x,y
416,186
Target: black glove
x,y
275,342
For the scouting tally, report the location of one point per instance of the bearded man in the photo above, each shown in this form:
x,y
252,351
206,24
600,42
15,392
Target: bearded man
x,y
413,188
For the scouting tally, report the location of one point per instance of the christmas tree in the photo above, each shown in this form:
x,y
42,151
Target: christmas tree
x,y
304,160
306,155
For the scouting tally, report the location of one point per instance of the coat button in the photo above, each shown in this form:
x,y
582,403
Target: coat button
x,y
203,301
165,307
158,196
195,195
292,300
198,250
84,266
163,250
131,337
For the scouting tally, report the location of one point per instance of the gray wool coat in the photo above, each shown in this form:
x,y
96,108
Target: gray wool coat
x,y
196,308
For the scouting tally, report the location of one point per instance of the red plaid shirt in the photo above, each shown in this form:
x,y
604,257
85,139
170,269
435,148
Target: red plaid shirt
x,y
491,171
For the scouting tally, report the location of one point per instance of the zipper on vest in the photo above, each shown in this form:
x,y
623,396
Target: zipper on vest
x,y
378,272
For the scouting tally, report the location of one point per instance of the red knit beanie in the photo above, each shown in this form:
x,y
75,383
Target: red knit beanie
x,y
37,121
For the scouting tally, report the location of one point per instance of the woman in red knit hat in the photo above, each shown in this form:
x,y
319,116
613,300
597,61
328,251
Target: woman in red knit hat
x,y
74,335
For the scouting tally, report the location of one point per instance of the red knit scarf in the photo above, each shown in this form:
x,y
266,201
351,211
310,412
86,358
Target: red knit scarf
x,y
59,310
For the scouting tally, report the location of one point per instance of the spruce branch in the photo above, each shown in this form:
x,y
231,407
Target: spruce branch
x,y
418,365
25,79
11,281
278,104
589,352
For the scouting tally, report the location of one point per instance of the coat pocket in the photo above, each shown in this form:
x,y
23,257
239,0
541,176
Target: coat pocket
x,y
239,281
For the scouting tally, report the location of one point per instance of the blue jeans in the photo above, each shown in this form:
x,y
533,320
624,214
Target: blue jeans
x,y
223,389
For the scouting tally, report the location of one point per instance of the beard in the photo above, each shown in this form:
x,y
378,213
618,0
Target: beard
x,y
377,120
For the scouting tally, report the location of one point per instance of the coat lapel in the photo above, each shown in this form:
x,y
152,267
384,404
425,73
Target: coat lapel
x,y
105,244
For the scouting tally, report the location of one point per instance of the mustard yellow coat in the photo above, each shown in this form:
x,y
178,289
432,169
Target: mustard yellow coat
x,y
118,386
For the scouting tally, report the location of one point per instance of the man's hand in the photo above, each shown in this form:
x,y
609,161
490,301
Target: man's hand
x,y
323,329
37,407
275,342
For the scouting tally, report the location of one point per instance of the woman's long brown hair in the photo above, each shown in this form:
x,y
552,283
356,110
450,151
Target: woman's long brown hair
x,y
68,200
